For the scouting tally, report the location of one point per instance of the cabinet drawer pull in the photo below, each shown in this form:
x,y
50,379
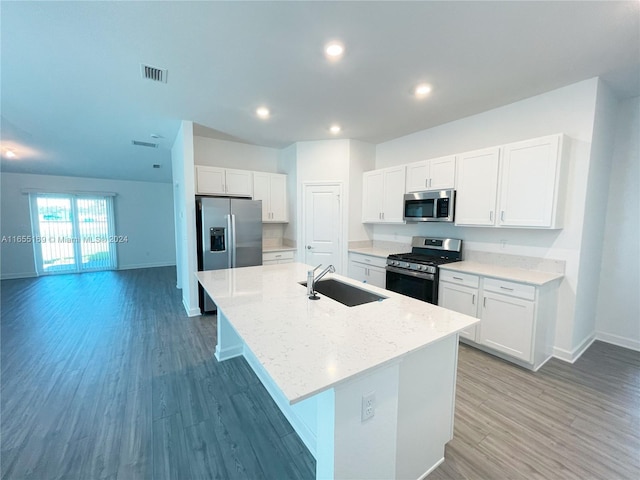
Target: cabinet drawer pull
x,y
507,288
457,278
367,259
278,256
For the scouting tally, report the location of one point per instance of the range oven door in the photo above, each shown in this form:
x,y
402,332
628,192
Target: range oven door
x,y
419,285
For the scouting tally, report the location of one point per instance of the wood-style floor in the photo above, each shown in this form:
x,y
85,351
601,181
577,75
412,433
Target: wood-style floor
x,y
104,376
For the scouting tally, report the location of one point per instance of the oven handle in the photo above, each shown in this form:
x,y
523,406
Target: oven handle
x,y
411,273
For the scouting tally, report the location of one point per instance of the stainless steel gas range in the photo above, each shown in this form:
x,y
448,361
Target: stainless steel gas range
x,y
416,274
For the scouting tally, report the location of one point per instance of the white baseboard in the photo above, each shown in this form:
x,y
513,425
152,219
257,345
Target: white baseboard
x,y
573,355
145,265
14,276
191,312
618,340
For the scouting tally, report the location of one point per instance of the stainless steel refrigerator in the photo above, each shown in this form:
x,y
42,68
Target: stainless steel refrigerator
x,y
229,236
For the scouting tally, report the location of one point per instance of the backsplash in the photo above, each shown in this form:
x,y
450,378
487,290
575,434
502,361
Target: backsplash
x,y
515,261
272,235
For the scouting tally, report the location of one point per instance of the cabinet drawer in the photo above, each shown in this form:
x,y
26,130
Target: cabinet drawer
x,y
460,278
267,256
368,260
520,290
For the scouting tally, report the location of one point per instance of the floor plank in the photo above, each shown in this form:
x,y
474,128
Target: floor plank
x,y
104,376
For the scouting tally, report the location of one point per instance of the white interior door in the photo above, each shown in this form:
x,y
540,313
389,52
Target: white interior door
x,y
322,225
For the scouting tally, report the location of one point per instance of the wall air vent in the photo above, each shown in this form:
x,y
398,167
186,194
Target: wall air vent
x,y
153,73
138,143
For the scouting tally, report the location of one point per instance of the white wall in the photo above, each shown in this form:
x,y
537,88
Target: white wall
x,y
182,157
618,310
323,161
568,110
362,159
223,153
594,219
142,210
287,163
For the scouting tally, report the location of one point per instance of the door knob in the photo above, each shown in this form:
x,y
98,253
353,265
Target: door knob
x,y
308,247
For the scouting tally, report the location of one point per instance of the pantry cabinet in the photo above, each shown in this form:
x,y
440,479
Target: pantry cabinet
x,y
383,195
516,185
434,174
271,188
223,181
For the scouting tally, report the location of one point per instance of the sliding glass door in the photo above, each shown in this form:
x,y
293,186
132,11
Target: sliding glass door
x,y
73,233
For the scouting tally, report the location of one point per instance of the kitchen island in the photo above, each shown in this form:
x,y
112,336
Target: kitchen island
x,y
328,366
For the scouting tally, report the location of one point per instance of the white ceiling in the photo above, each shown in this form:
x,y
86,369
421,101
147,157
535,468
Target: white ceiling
x,y
73,98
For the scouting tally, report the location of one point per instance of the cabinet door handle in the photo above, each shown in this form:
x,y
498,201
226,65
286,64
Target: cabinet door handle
x,y
383,215
426,183
506,288
502,216
430,182
491,215
457,278
473,299
484,302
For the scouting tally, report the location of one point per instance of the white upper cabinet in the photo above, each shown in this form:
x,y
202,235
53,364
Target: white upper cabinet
x,y
434,174
271,188
477,187
372,200
383,195
223,181
516,185
530,178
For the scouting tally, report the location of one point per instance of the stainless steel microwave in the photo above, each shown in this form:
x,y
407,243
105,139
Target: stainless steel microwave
x,y
436,206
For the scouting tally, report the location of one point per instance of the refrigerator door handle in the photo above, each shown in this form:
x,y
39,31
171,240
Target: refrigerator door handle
x,y
230,245
233,241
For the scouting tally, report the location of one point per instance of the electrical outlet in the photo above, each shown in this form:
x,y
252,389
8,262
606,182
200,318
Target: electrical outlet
x,y
368,405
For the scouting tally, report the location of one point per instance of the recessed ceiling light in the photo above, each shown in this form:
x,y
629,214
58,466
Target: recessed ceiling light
x,y
334,50
263,112
10,154
422,90
335,129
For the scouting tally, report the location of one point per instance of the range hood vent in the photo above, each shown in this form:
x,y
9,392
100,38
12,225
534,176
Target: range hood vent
x,y
153,73
138,143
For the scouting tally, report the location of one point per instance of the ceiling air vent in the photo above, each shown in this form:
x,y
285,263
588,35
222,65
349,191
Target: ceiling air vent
x,y
156,165
138,143
153,73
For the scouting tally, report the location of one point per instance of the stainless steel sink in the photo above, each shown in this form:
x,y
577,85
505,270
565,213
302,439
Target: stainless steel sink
x,y
345,293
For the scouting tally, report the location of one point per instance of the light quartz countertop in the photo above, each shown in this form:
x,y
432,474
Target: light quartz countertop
x,y
308,346
278,249
376,251
531,277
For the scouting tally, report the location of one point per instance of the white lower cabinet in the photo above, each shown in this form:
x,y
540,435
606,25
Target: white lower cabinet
x,y
460,299
368,269
516,318
507,325
275,258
